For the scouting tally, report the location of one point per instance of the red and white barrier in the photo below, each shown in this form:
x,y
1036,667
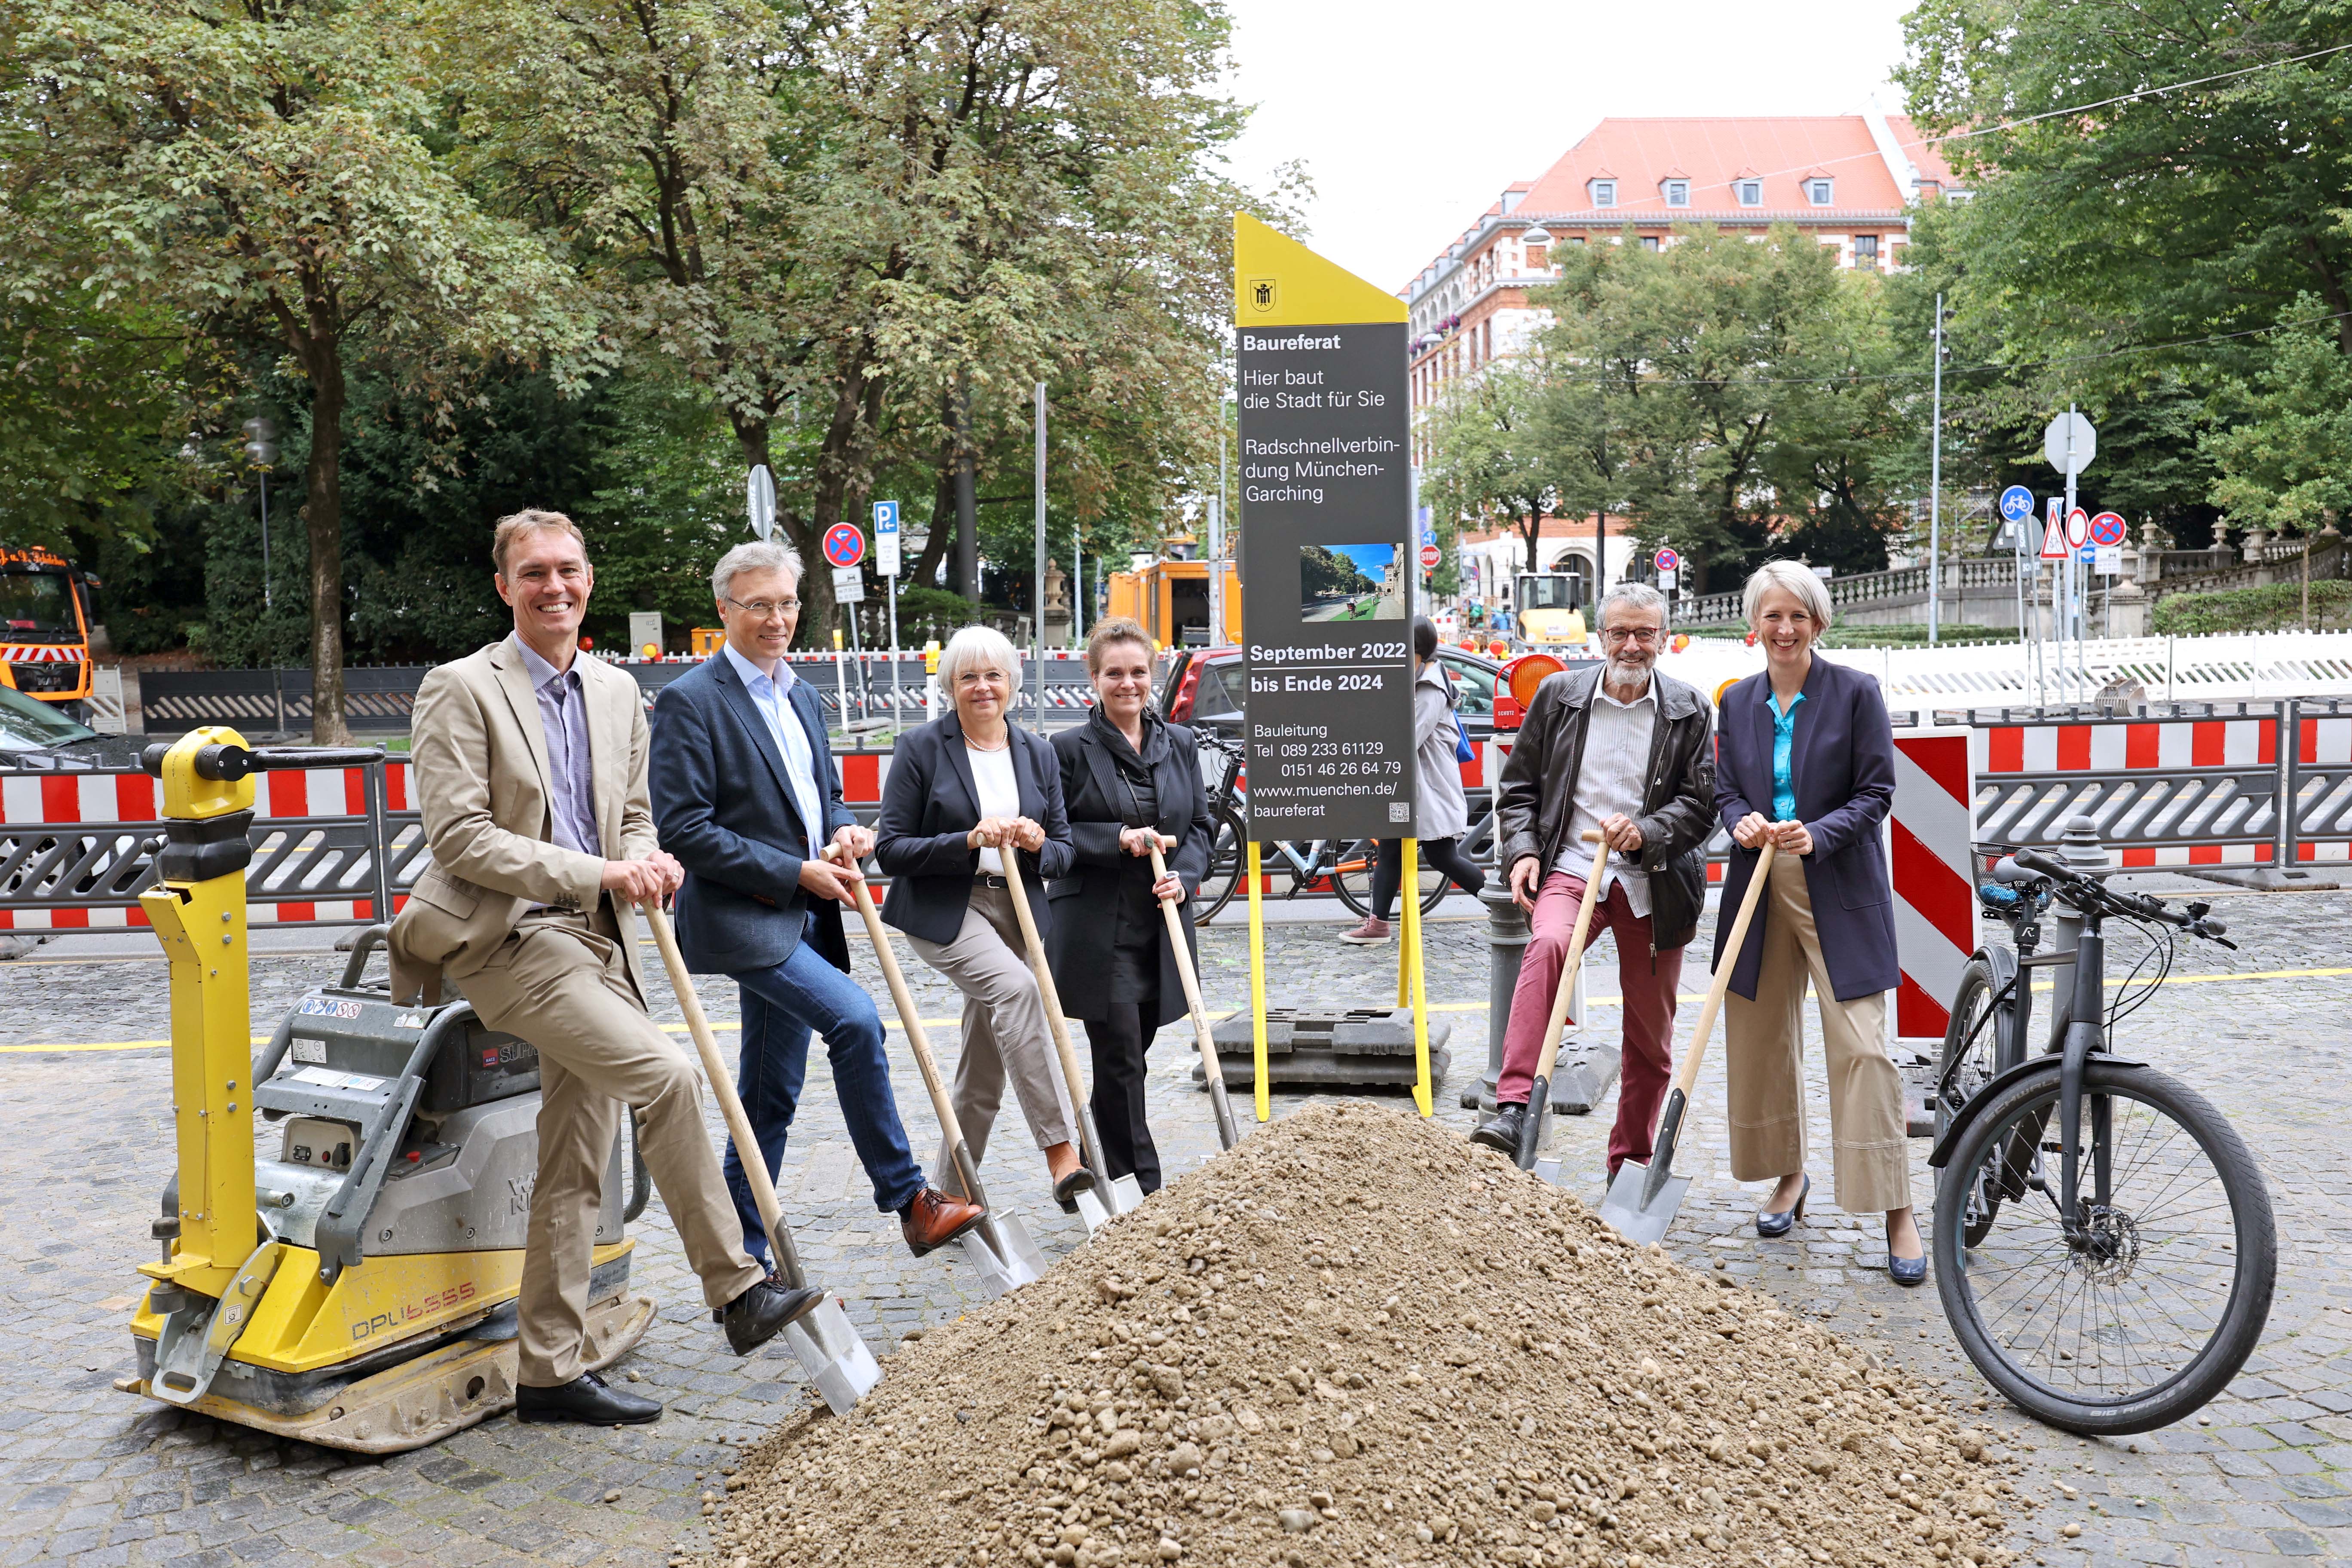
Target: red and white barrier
x,y
69,800
1927,838
2319,742
2170,745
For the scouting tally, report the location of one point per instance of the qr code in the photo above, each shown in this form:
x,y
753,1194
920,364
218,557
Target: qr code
x,y
1399,811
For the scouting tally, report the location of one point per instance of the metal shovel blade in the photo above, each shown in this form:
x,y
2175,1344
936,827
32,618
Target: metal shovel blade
x,y
1002,1253
1549,1169
1639,1209
833,1354
1106,1201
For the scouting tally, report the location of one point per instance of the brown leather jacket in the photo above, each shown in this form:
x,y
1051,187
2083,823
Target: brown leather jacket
x,y
1539,786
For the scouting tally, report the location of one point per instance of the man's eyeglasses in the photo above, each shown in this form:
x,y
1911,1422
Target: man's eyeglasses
x,y
1631,634
764,609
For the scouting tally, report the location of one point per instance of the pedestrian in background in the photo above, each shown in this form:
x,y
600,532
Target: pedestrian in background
x,y
1808,765
965,790
1443,815
1130,780
1620,751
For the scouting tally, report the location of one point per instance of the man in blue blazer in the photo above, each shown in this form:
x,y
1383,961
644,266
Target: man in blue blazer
x,y
745,795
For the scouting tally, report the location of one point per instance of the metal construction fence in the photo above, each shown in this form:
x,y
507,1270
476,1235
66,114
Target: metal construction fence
x,y
2186,784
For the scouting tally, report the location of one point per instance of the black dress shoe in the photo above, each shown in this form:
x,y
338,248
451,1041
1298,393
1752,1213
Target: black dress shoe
x,y
759,1314
1501,1131
1066,1190
587,1400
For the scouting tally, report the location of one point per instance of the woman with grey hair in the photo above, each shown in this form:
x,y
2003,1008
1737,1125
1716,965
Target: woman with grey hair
x,y
964,790
1807,763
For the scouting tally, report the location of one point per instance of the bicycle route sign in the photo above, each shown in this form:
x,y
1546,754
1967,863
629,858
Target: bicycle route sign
x,y
1328,550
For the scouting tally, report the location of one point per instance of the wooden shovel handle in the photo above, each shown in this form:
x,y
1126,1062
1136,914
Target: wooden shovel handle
x,y
1214,1069
1688,1074
1079,1113
1558,1019
731,1104
941,1105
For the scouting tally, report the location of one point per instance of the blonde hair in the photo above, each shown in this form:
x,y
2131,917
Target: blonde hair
x,y
978,647
1119,628
1799,580
530,519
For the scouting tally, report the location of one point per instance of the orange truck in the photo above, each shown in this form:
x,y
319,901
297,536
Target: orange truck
x,y
45,627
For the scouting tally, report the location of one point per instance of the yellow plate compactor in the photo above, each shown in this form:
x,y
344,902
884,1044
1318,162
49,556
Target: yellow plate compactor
x,y
344,1273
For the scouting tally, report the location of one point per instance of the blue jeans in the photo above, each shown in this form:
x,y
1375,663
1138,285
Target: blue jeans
x,y
781,1005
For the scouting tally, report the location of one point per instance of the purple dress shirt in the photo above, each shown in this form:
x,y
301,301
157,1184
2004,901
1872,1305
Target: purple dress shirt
x,y
563,714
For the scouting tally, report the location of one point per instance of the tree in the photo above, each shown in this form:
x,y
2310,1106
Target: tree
x,y
834,219
2286,464
258,166
1488,458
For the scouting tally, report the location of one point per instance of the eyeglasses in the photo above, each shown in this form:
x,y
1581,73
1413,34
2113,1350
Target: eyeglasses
x,y
764,609
1631,634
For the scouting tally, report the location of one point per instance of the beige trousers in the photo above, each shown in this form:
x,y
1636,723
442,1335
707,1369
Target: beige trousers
x,y
562,982
1765,1069
1005,1030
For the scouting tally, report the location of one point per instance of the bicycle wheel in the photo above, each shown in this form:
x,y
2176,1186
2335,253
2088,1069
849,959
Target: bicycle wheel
x,y
2153,1306
1351,879
1974,1046
1228,861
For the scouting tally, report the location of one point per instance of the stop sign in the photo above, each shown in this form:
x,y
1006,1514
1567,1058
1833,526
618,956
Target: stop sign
x,y
1430,557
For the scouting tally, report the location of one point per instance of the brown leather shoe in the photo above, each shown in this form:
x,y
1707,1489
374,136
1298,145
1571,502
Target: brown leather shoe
x,y
934,1219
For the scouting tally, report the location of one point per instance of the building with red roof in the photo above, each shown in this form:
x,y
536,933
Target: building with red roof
x,y
1851,180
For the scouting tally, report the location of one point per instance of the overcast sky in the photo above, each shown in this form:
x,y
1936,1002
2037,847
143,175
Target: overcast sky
x,y
1412,117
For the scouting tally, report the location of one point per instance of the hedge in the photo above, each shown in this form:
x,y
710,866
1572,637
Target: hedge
x,y
2276,608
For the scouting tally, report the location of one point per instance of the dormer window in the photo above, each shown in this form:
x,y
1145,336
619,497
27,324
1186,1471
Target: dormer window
x,y
1750,193
1677,193
1604,193
1819,192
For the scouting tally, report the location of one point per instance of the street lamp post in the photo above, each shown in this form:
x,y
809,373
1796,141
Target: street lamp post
x,y
261,452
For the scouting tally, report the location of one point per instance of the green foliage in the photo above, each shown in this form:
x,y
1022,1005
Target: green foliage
x,y
2288,464
924,614
2275,608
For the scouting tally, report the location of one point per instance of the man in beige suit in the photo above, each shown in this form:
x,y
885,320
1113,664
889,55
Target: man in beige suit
x,y
529,767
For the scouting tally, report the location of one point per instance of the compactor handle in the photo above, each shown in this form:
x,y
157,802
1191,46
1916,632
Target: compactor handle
x,y
224,764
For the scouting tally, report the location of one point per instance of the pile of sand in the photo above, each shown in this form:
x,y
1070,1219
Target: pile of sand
x,y
1358,1340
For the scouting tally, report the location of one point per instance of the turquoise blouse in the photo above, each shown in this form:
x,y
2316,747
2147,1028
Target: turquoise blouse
x,y
1784,737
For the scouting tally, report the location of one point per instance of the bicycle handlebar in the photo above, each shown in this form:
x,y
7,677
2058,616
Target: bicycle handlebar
x,y
2192,920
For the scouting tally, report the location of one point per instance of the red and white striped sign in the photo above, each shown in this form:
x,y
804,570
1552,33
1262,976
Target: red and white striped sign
x,y
41,653
1927,841
63,800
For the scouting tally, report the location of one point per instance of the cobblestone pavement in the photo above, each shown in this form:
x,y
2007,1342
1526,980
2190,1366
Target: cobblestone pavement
x,y
89,1475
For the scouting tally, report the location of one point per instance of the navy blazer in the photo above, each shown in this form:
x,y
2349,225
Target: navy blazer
x,y
1842,763
722,805
930,803
1081,948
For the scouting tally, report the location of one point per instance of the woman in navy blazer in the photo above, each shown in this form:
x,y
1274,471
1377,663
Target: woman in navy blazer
x,y
963,790
1807,762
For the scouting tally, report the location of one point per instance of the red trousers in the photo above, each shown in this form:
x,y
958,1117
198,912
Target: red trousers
x,y
1648,982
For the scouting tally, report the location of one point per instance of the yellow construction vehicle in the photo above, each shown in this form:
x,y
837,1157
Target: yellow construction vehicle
x,y
356,1288
1171,595
1549,608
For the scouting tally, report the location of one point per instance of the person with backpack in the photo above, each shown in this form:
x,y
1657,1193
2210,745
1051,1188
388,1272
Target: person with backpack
x,y
1443,815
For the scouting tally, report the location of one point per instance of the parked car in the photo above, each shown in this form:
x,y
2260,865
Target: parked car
x,y
36,734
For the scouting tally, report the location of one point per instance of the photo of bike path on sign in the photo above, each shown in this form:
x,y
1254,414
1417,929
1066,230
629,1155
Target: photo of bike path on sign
x,y
1350,582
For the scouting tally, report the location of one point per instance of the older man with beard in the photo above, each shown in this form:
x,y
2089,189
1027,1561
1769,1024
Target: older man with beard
x,y
1622,751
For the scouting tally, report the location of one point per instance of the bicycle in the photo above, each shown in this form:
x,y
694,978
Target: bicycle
x,y
2105,1248
1345,868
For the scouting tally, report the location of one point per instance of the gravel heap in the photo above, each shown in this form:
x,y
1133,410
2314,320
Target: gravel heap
x,y
1358,1339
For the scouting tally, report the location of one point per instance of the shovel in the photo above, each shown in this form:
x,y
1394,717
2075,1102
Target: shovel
x,y
1000,1249
1642,1202
1228,1134
1107,1198
1539,1097
827,1342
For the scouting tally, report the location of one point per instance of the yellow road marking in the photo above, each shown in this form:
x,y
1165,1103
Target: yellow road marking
x,y
726,1027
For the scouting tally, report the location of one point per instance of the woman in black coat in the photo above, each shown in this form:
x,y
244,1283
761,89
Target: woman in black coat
x,y
1128,776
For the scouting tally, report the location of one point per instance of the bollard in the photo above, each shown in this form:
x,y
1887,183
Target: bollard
x,y
1584,1072
1507,944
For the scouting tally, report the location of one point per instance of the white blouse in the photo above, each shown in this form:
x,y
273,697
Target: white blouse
x,y
1000,793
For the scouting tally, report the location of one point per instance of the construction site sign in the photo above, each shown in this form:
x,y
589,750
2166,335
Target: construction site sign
x,y
1327,544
